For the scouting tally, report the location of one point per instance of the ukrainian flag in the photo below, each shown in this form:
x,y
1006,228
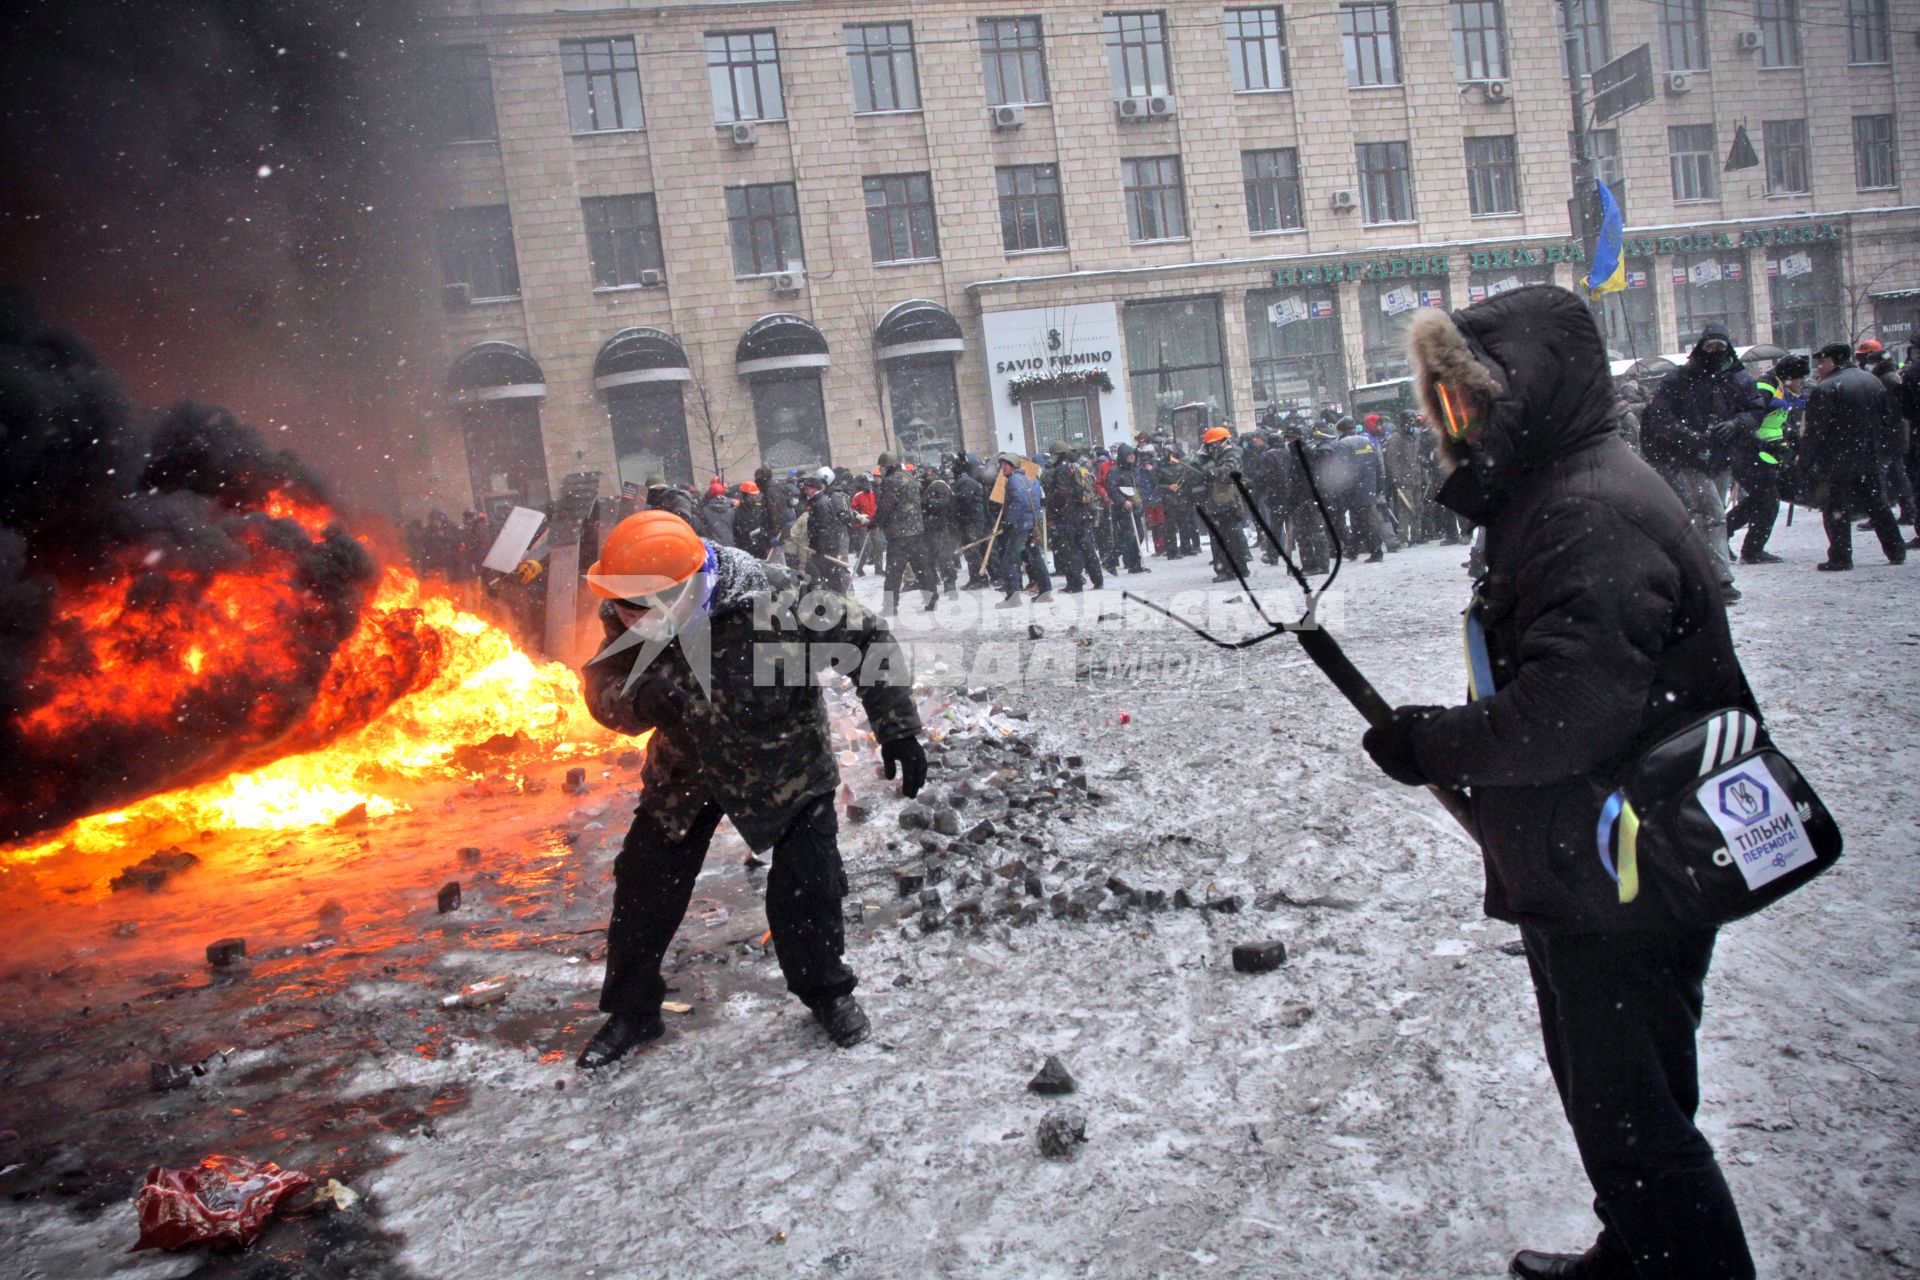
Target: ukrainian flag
x,y
1608,271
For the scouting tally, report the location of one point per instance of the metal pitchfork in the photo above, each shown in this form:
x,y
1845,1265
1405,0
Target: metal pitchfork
x,y
1314,638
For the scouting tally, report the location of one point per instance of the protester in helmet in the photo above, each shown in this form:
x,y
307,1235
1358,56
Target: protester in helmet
x,y
689,629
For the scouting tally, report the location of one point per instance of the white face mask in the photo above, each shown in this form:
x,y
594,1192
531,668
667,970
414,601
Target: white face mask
x,y
665,614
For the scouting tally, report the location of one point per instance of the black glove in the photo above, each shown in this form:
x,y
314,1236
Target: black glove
x,y
658,701
912,761
1726,432
1391,744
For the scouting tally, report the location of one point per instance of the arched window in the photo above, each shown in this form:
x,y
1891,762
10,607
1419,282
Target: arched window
x,y
917,343
498,388
643,374
781,357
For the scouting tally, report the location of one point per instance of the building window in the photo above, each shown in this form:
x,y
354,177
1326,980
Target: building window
x,y
1779,32
1272,181
603,84
623,239
1630,318
1491,282
506,454
1683,34
743,70
1386,308
1873,152
880,60
1386,183
1294,349
1257,48
464,95
1493,178
1695,160
1591,46
1013,59
925,401
1367,42
1711,288
765,221
1176,357
649,423
1603,148
1137,54
900,217
1030,216
1785,142
1866,31
1479,40
1803,295
476,249
790,419
1156,210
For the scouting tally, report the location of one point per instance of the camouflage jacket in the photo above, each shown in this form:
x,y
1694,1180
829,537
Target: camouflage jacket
x,y
759,745
1218,494
897,505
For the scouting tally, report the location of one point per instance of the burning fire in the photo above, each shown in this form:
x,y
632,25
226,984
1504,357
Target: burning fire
x,y
419,690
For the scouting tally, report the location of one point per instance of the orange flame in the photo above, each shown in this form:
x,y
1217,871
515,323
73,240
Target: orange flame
x,y
328,725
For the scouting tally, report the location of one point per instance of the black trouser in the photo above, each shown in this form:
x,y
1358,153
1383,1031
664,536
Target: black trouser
x,y
1839,522
976,553
904,549
653,882
940,552
1618,1013
1311,552
1185,538
1758,508
1126,541
1230,547
1074,556
1015,550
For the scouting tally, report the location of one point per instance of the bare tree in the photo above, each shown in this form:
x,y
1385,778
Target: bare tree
x,y
737,454
1859,295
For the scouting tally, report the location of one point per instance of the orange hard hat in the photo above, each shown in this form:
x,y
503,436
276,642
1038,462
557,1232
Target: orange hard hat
x,y
748,486
655,549
1869,347
1215,435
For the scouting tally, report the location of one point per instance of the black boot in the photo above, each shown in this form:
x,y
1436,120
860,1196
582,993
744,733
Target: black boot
x,y
844,1020
617,1037
1591,1265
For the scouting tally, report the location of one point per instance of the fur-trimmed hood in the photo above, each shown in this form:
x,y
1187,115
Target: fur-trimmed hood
x,y
1529,370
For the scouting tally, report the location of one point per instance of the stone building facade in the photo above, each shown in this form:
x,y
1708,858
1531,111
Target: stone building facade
x,y
680,238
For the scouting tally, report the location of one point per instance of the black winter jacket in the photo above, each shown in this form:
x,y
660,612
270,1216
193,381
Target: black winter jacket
x,y
1678,428
1847,419
1602,612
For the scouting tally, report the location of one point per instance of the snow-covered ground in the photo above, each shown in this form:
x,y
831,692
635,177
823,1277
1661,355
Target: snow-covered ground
x,y
1375,1108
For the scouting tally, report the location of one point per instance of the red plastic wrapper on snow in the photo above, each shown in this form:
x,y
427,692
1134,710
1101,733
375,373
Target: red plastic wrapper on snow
x,y
221,1200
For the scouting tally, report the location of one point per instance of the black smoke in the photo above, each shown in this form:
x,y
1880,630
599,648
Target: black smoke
x,y
223,195
154,506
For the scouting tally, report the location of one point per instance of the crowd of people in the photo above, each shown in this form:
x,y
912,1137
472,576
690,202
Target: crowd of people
x,y
1834,433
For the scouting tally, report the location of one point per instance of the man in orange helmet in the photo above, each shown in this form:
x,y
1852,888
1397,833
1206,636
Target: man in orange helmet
x,y
1219,461
717,654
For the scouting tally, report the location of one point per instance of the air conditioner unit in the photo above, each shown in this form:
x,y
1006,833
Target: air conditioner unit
x,y
1008,117
650,279
742,134
456,296
794,281
1131,109
1747,41
1346,198
1679,82
1161,107
1496,91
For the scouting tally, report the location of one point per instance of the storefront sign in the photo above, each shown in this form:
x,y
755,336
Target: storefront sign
x,y
1399,301
1745,238
1289,310
1082,339
1796,264
1361,269
1525,256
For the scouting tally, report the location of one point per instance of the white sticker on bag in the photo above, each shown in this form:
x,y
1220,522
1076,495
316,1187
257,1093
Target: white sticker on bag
x,y
1764,836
